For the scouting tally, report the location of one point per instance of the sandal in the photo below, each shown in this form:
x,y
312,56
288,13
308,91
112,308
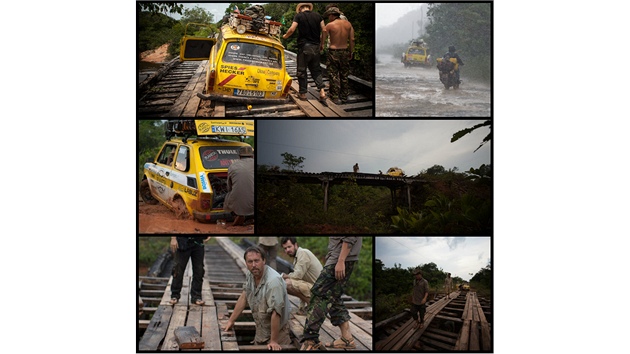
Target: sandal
x,y
342,343
309,345
302,96
199,302
174,301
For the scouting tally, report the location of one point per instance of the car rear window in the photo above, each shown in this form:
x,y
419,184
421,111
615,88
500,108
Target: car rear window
x,y
252,54
218,156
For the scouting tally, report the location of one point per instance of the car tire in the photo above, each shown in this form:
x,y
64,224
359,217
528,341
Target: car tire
x,y
145,193
179,207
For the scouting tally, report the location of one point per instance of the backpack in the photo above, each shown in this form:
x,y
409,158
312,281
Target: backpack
x,y
257,13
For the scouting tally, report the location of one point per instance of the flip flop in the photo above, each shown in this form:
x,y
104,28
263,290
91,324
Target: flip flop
x,y
199,302
342,343
174,301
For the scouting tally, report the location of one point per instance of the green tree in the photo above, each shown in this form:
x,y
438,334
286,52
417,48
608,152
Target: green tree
x,y
463,132
293,163
467,26
150,139
436,170
160,7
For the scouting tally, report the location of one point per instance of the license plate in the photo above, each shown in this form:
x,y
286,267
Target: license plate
x,y
249,93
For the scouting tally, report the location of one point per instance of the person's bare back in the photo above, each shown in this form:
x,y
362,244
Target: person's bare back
x,y
341,34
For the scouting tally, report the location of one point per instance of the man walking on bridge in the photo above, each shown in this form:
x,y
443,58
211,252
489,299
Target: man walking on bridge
x,y
343,254
340,52
310,26
266,295
185,248
419,297
448,285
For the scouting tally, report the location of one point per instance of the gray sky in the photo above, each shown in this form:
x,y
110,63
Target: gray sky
x,y
388,13
335,146
459,256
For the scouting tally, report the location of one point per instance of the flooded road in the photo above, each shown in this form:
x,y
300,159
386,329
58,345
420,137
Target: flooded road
x,y
418,92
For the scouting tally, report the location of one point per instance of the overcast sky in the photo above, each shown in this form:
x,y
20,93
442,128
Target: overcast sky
x,y
335,146
388,13
459,256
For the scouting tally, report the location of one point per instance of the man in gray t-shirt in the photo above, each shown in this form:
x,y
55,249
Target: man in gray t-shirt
x,y
419,297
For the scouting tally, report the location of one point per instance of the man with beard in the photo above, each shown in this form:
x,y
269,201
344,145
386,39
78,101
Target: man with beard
x,y
266,295
306,270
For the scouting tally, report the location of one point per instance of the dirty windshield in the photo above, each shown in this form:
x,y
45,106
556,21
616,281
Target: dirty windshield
x,y
218,156
253,54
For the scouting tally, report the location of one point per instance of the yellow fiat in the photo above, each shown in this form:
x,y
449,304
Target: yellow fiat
x,y
189,174
246,62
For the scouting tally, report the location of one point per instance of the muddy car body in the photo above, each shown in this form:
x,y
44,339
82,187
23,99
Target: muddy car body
x,y
246,63
189,176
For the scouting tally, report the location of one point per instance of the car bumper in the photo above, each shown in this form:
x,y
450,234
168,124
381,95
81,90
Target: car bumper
x,y
244,100
213,216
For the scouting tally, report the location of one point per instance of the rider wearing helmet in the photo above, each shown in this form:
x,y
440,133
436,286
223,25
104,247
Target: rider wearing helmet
x,y
452,53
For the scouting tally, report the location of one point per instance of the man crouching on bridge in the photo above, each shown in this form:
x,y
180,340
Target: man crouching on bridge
x,y
266,294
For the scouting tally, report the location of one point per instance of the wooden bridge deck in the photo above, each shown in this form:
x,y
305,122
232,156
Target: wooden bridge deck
x,y
474,335
222,285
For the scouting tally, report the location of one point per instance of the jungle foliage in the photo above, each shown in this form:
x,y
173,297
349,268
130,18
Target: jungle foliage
x,y
393,286
467,26
448,202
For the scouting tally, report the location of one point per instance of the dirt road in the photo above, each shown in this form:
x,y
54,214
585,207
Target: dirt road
x,y
158,219
418,92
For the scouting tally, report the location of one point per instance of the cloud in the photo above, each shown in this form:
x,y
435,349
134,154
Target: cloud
x,y
454,241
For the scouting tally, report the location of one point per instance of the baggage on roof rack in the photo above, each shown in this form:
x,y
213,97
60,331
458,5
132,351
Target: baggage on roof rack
x,y
243,23
207,128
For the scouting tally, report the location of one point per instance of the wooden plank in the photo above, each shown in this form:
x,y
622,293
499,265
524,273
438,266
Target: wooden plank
x,y
188,338
219,109
156,330
361,323
436,344
177,320
210,332
228,338
187,93
206,293
473,344
234,251
396,336
392,319
263,348
304,105
464,335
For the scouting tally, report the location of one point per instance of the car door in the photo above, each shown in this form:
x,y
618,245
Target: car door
x,y
194,47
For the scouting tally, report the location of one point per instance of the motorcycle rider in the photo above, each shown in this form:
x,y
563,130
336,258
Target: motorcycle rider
x,y
452,53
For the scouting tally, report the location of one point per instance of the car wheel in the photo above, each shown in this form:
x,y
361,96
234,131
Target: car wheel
x,y
145,193
180,208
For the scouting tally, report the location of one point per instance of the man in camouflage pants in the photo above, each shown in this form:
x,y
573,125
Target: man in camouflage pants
x,y
343,253
339,54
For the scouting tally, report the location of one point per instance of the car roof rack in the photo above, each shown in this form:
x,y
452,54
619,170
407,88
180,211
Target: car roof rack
x,y
205,128
243,23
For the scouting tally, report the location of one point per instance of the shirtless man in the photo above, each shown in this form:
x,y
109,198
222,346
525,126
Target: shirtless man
x,y
339,54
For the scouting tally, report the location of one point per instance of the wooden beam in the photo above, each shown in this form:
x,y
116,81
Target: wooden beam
x,y
210,332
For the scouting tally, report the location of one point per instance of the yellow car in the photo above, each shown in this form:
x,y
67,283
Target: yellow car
x,y
416,54
246,64
395,172
189,175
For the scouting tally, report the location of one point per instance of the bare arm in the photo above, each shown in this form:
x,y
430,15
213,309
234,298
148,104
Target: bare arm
x,y
290,30
323,37
275,332
351,41
340,267
238,309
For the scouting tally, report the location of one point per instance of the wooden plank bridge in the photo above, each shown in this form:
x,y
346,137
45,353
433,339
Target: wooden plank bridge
x,y
171,92
224,277
460,323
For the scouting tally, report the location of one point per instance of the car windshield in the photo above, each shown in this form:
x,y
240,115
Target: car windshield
x,y
218,156
252,54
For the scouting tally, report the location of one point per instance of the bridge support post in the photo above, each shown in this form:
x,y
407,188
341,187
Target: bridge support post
x,y
408,195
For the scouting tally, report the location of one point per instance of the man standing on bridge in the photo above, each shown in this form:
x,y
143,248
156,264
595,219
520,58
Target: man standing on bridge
x,y
339,54
310,26
448,285
343,254
185,248
355,168
306,270
266,294
419,297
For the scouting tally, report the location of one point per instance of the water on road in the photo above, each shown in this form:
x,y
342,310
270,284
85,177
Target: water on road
x,y
418,92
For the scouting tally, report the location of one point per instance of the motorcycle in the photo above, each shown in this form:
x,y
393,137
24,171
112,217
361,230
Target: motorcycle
x,y
448,75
